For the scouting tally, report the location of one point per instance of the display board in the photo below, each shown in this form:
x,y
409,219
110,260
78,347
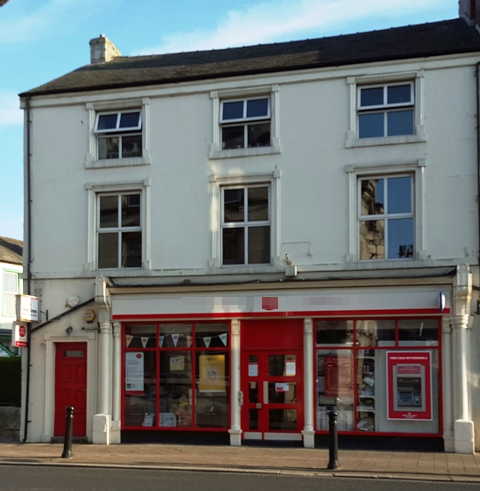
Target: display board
x,y
409,387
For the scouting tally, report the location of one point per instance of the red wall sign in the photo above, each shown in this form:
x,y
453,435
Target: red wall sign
x,y
409,385
269,303
19,336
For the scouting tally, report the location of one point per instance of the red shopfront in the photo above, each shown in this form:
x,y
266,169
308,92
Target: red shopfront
x,y
176,376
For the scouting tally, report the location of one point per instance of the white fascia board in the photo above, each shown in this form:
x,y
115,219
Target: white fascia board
x,y
242,81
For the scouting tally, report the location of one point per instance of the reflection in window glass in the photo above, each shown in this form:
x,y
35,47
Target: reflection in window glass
x,y
175,388
375,332
130,120
372,239
371,97
107,121
399,194
232,110
371,125
233,137
334,332
131,250
397,94
108,211
233,246
130,210
233,205
400,122
257,108
140,377
373,197
400,238
107,250
258,135
257,203
282,419
335,386
211,393
258,245
282,365
418,330
108,147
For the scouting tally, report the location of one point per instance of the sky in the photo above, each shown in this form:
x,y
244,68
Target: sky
x,y
43,39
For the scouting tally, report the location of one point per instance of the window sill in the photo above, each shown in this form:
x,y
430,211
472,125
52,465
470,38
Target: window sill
x,y
91,163
216,153
246,269
354,142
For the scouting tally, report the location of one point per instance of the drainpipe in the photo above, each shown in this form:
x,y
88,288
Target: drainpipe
x,y
28,215
477,90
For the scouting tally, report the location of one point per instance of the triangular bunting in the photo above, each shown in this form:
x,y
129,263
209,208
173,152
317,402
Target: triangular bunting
x,y
175,338
223,338
128,339
160,342
207,340
144,341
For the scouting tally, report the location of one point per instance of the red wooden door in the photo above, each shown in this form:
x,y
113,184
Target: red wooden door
x,y
71,386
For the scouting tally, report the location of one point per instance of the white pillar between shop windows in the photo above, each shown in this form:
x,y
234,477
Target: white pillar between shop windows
x,y
102,420
463,426
115,435
235,393
308,430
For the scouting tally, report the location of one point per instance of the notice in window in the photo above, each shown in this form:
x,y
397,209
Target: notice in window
x,y
290,368
212,373
253,370
177,363
134,376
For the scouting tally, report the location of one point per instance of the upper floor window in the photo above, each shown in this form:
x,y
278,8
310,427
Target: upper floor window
x,y
119,134
246,224
386,217
119,230
11,286
386,110
245,123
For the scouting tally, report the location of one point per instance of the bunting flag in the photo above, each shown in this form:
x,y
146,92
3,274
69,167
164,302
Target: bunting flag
x,y
144,341
175,338
207,340
223,338
160,342
128,339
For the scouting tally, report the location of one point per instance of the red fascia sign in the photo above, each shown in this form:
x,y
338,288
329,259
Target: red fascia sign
x,y
409,384
19,336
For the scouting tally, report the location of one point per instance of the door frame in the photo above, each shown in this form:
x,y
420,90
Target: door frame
x,y
263,433
49,382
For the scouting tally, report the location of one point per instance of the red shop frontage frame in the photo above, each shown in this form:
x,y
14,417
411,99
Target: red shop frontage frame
x,y
194,350
354,347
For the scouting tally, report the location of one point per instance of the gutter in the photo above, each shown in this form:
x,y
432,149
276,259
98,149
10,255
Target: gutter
x,y
28,218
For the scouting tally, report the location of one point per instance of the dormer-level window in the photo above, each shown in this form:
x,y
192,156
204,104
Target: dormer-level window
x,y
245,123
386,110
119,134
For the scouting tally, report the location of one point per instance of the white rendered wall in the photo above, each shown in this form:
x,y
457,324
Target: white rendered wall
x,y
5,321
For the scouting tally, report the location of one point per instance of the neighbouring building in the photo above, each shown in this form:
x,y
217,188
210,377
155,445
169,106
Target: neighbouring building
x,y
10,285
228,242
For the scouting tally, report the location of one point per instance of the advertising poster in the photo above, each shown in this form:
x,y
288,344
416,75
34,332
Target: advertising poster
x,y
409,388
212,373
134,362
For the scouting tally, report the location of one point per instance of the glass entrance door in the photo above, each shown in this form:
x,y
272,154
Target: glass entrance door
x,y
273,395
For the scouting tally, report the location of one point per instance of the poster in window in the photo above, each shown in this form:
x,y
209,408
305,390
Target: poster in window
x,y
409,385
177,363
212,373
338,376
134,368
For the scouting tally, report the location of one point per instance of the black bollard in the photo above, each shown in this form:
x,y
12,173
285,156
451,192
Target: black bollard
x,y
67,441
332,438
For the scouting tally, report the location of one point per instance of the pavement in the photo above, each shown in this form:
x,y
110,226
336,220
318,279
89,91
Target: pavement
x,y
430,466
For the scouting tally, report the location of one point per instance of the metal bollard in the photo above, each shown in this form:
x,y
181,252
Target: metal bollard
x,y
332,438
67,441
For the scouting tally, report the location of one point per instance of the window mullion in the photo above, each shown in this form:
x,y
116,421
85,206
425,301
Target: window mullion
x,y
119,250
245,221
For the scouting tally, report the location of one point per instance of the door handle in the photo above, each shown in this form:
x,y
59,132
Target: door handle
x,y
265,392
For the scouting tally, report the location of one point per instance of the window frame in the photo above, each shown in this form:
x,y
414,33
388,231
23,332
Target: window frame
x,y
356,83
357,171
96,109
7,294
242,94
245,224
386,217
95,190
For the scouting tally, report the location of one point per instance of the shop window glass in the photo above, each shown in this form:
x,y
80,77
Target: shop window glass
x,y
282,365
140,384
366,365
282,393
337,332
335,386
414,331
211,389
282,419
175,389
175,335
214,335
375,332
140,336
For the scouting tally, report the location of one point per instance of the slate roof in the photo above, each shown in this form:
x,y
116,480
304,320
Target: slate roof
x,y
11,250
414,41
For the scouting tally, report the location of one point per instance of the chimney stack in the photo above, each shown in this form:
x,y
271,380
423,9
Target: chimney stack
x,y
102,50
469,10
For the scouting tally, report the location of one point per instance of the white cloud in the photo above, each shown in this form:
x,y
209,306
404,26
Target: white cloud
x,y
10,113
274,19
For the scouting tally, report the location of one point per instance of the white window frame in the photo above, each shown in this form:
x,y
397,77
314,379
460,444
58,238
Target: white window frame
x,y
95,190
386,217
6,294
383,80
246,224
217,184
368,170
116,107
232,95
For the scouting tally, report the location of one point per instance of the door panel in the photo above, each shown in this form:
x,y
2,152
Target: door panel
x,y
70,386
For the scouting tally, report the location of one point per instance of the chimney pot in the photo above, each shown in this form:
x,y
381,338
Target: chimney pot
x,y
102,50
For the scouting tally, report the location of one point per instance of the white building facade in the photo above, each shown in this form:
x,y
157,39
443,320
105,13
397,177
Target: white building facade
x,y
239,239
